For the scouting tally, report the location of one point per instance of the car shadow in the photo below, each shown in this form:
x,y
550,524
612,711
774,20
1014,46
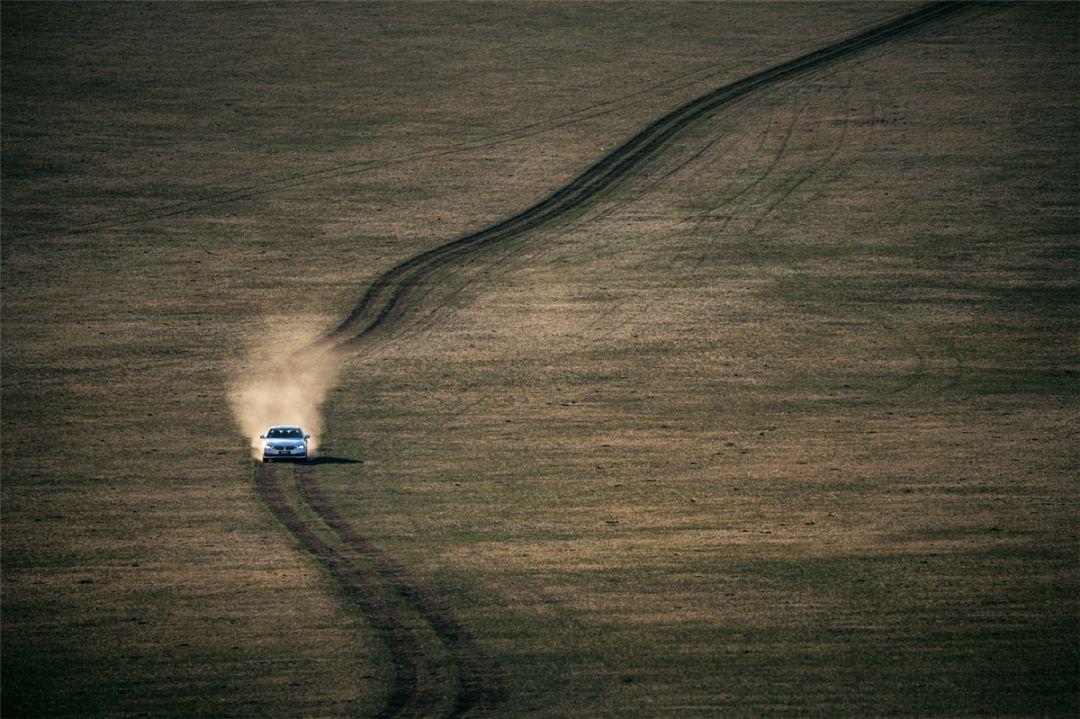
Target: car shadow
x,y
323,459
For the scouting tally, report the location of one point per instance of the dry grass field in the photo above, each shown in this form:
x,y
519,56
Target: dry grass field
x,y
784,423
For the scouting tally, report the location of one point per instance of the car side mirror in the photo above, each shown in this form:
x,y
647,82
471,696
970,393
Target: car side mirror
x,y
262,436
307,436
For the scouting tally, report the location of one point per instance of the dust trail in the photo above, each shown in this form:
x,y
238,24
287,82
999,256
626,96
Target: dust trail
x,y
284,381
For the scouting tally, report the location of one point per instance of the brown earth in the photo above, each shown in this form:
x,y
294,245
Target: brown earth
x,y
783,424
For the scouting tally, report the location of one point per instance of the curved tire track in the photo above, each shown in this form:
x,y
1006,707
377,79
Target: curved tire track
x,y
416,691
480,685
387,297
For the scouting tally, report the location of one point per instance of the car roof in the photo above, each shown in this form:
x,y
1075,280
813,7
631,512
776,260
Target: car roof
x,y
284,426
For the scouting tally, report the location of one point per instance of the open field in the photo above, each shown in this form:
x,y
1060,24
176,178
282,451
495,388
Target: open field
x,y
783,422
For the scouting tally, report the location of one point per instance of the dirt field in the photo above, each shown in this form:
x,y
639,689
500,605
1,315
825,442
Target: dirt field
x,y
781,423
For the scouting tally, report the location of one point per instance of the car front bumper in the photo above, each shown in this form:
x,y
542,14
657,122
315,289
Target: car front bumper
x,y
273,453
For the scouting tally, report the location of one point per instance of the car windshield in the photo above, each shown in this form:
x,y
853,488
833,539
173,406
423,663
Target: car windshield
x,y
284,433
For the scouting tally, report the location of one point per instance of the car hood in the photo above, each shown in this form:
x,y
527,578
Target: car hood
x,y
284,442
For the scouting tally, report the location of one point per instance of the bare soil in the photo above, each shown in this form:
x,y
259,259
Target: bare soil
x,y
781,423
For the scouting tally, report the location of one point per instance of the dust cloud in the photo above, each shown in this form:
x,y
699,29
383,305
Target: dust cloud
x,y
284,381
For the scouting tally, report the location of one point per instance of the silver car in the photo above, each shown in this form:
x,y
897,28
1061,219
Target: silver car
x,y
285,442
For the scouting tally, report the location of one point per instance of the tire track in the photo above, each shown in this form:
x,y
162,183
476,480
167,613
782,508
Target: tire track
x,y
388,295
416,689
366,572
480,681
